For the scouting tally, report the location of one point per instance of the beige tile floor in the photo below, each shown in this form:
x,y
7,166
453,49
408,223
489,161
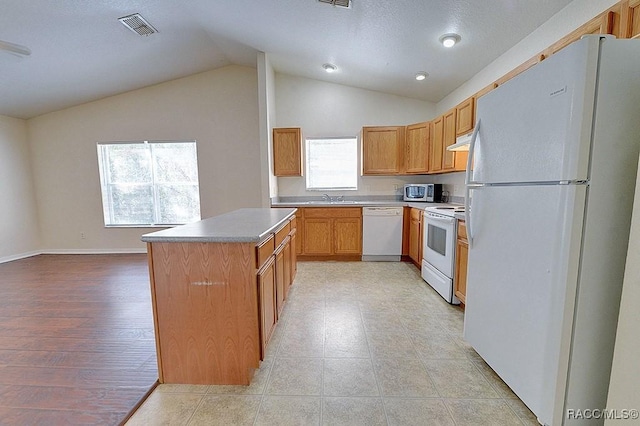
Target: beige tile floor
x,y
359,343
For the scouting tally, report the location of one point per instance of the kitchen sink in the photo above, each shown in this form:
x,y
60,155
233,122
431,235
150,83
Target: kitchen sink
x,y
323,202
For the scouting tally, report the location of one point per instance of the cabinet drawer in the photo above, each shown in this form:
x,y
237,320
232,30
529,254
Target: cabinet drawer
x,y
293,223
264,250
320,212
282,233
462,230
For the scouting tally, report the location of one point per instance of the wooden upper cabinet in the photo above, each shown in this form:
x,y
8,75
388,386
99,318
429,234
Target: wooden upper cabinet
x,y
629,19
607,22
437,144
449,138
417,148
287,158
382,150
519,70
465,116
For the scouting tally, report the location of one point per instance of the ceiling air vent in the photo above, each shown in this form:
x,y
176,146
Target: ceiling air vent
x,y
340,3
138,24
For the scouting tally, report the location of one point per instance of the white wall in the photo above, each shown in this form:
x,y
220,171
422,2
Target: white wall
x,y
218,109
562,23
266,96
324,109
18,215
625,374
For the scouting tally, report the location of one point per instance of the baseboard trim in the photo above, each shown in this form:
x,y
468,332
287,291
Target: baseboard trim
x,y
11,258
94,251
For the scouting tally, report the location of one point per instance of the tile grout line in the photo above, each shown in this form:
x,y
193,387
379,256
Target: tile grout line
x,y
324,343
375,375
273,363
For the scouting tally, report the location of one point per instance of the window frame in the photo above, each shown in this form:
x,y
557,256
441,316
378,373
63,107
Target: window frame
x,y
308,168
106,186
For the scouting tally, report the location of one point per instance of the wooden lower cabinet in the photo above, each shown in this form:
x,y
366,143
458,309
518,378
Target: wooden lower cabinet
x,y
462,256
347,236
280,279
415,236
318,239
294,254
268,302
330,233
287,267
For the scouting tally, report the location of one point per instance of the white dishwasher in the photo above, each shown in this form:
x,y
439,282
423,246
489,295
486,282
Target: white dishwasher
x,y
382,234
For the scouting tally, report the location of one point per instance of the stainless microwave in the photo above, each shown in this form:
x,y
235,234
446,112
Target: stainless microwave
x,y
426,192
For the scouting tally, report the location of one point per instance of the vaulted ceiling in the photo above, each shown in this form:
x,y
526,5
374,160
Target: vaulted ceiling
x,y
81,52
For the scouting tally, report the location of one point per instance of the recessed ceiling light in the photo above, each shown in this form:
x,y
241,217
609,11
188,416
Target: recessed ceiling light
x,y
449,40
330,68
421,75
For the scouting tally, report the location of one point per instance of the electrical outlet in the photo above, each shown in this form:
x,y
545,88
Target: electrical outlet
x,y
82,236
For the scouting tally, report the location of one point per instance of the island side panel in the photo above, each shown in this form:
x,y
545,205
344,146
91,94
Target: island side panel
x,y
207,312
155,311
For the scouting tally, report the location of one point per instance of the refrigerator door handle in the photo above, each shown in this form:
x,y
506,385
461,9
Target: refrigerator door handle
x,y
472,148
467,215
467,184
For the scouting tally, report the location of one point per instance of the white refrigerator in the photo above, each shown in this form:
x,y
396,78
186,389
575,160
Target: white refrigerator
x,y
555,156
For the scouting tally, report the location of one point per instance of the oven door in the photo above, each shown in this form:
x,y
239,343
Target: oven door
x,y
439,241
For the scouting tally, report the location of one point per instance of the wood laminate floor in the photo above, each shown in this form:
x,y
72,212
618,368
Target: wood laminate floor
x,y
76,339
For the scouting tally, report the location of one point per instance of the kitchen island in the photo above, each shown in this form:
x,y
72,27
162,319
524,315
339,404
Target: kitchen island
x,y
217,288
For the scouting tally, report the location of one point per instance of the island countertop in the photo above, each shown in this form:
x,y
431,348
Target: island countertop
x,y
249,225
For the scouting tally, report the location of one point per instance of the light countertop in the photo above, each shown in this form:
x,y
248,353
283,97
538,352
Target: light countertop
x,y
358,203
239,226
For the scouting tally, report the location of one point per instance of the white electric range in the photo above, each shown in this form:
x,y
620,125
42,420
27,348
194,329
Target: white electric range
x,y
438,251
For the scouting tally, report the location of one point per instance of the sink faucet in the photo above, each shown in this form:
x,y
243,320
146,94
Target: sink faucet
x,y
326,197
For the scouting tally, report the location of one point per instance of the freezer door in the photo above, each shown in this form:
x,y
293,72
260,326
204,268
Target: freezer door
x,y
537,126
521,284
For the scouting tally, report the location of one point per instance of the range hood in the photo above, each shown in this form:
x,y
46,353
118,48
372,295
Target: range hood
x,y
462,143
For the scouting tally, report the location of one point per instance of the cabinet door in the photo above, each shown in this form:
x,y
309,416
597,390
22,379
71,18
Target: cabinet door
x,y
287,160
462,254
415,236
317,236
287,266
417,152
267,303
299,245
347,235
437,144
630,19
280,279
449,138
382,150
601,24
294,255
465,117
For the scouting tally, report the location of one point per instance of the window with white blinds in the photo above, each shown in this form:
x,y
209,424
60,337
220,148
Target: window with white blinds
x,y
332,163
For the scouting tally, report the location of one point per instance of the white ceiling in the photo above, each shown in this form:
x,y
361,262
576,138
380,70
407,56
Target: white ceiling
x,y
80,52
